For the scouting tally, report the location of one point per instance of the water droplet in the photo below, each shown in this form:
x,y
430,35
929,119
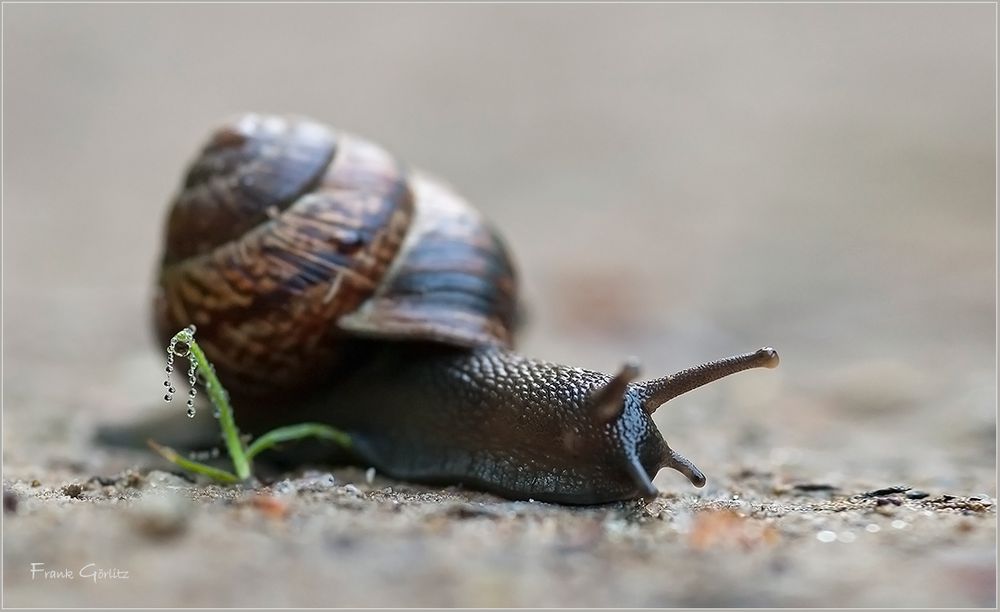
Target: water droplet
x,y
167,397
872,528
170,368
898,524
190,413
846,537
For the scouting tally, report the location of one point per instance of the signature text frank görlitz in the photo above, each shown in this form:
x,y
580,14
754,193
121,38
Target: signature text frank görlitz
x,y
90,571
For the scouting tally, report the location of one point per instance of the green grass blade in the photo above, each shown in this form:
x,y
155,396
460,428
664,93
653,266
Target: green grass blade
x,y
217,394
193,466
297,432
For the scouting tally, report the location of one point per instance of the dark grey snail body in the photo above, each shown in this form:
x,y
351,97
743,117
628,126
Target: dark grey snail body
x,y
384,306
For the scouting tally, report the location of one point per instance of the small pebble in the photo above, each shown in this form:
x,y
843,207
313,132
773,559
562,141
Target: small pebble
x,y
315,481
886,491
370,475
165,480
133,480
270,506
917,494
283,487
826,536
161,514
351,490
73,490
36,483
815,487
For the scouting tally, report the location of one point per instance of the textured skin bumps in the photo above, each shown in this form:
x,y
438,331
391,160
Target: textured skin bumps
x,y
491,419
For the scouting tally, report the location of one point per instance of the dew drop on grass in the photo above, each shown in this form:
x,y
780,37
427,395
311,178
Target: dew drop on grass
x,y
180,346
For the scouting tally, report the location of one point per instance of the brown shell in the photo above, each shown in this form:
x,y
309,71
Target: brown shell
x,y
287,237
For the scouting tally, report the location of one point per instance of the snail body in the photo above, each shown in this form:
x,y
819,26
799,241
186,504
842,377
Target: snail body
x,y
328,282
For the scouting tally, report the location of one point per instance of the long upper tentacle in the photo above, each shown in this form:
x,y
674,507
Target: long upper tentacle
x,y
654,393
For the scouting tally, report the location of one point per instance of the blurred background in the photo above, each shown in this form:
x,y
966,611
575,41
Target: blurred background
x,y
676,182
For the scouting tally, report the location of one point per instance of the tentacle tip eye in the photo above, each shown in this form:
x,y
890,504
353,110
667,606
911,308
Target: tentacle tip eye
x,y
769,357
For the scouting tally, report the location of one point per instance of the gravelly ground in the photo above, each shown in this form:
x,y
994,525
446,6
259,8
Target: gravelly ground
x,y
333,539
678,183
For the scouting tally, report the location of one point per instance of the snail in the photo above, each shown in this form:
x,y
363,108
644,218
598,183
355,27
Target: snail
x,y
330,282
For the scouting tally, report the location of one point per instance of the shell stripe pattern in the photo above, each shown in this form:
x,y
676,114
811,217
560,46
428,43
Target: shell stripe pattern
x,y
453,282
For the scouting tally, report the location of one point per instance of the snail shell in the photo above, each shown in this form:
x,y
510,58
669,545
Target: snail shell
x,y
287,238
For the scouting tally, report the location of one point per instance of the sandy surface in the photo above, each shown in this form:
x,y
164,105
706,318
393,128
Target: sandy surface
x,y
677,182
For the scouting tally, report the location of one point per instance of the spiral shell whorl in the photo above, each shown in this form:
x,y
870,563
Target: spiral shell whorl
x,y
250,168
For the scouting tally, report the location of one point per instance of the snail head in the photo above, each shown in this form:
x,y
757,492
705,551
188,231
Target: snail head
x,y
627,408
